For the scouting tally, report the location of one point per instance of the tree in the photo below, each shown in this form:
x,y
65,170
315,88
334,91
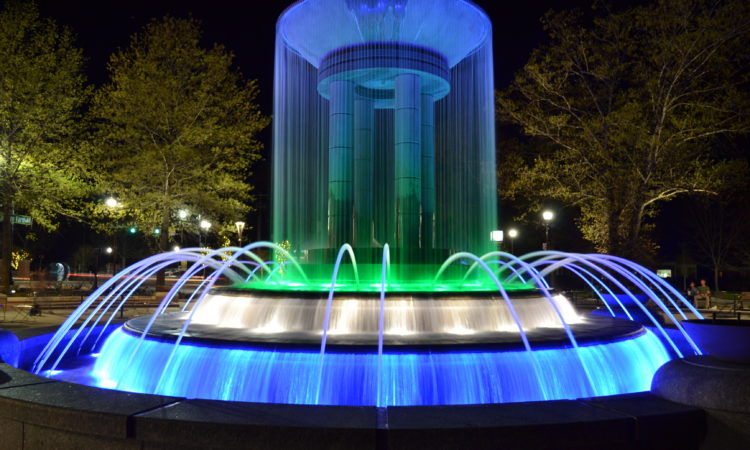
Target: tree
x,y
719,227
622,114
176,129
41,94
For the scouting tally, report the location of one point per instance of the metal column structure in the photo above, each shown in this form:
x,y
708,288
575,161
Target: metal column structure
x,y
381,108
340,155
428,171
408,162
364,121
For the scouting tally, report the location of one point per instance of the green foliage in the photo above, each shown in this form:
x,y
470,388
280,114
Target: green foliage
x,y
42,172
623,113
176,128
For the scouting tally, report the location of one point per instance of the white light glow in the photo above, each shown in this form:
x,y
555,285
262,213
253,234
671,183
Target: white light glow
x,y
270,328
399,331
459,329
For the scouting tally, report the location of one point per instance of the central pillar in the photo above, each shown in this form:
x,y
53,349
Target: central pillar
x,y
408,164
428,171
364,122
340,149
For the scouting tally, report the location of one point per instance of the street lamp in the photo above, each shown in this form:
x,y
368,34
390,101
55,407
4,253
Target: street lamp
x,y
512,234
240,226
547,215
204,225
111,202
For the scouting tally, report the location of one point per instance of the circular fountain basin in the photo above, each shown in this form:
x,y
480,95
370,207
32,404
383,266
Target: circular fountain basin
x,y
592,329
445,348
724,339
407,315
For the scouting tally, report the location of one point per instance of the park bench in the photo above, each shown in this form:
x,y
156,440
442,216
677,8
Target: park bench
x,y
725,301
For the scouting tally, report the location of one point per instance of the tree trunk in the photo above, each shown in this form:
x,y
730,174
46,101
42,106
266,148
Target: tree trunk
x,y
7,245
716,276
613,214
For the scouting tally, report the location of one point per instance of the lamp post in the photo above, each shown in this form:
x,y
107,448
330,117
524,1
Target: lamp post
x,y
240,226
512,234
547,215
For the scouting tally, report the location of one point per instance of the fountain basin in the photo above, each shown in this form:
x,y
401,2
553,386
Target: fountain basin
x,y
268,312
724,339
36,412
614,356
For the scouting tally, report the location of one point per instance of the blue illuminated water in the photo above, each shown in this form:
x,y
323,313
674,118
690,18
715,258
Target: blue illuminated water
x,y
418,378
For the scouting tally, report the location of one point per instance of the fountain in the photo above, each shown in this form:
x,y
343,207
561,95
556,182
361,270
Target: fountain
x,y
384,289
388,128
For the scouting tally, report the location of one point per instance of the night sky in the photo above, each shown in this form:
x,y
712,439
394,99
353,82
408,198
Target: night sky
x,y
248,29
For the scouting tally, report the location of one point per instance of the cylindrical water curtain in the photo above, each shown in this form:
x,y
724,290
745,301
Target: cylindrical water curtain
x,y
384,130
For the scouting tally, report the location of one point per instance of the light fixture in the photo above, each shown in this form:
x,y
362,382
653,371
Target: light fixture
x,y
240,226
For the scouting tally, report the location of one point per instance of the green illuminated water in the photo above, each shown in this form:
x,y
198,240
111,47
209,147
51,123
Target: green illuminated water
x,y
367,279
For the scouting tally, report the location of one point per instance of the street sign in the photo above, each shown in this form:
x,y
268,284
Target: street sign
x,y
18,219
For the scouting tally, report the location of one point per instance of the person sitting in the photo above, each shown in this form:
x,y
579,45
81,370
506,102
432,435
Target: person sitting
x,y
704,293
692,292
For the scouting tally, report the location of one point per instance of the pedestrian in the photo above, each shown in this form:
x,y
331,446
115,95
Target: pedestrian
x,y
704,293
692,292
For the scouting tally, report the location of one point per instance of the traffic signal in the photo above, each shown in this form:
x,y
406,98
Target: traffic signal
x,y
132,230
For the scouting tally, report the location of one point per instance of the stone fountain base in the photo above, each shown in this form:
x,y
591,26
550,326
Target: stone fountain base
x,y
721,388
39,413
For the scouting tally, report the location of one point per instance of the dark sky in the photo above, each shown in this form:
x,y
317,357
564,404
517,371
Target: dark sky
x,y
248,28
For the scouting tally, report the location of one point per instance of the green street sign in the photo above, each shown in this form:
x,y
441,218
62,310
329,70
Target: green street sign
x,y
21,220
18,219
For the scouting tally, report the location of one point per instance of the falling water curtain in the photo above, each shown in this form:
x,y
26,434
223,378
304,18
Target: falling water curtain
x,y
384,129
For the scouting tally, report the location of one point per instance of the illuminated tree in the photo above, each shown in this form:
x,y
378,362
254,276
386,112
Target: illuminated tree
x,y
41,93
177,129
623,113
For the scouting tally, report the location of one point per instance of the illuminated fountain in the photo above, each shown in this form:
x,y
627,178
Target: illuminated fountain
x,y
384,195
